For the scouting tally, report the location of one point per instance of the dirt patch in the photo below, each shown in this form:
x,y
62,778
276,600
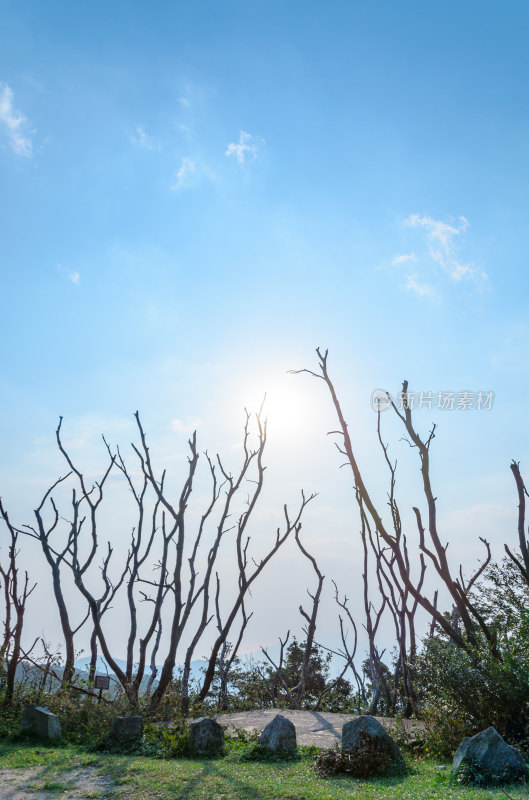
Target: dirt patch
x,y
318,728
38,784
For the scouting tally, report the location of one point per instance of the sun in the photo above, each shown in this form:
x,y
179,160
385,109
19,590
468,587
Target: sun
x,y
288,404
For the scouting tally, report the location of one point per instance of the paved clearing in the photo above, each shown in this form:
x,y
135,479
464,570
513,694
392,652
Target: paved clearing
x,y
312,727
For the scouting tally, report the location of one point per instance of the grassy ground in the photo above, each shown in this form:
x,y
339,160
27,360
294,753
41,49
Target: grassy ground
x,y
133,778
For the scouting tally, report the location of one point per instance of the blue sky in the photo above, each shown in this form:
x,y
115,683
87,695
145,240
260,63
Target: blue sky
x,y
195,195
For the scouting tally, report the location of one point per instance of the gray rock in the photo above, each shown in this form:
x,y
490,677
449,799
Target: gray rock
x,y
205,736
41,722
127,729
279,736
487,751
357,733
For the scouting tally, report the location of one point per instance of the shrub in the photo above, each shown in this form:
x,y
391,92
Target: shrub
x,y
365,761
256,752
471,773
465,691
166,741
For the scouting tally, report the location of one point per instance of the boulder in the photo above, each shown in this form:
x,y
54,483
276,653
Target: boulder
x,y
41,722
365,730
205,736
126,729
279,736
488,753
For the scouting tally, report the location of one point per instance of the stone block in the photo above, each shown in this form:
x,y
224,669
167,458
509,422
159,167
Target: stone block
x,y
40,722
487,751
279,736
205,736
363,730
126,728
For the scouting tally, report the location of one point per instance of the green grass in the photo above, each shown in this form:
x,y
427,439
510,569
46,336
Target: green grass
x,y
230,778
54,786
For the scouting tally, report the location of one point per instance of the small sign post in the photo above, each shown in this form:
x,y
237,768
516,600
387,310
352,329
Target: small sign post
x,y
101,682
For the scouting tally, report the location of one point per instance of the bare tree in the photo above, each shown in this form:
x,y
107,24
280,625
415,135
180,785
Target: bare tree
x,y
246,579
296,693
432,548
310,629
103,603
278,677
373,617
228,653
162,528
143,536
16,592
55,557
347,652
231,485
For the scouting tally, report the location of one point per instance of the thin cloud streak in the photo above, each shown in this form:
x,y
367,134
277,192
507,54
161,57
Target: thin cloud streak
x,y
186,169
442,248
143,140
403,259
14,124
420,289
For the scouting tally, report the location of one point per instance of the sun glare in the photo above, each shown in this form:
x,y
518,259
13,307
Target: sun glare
x,y
289,405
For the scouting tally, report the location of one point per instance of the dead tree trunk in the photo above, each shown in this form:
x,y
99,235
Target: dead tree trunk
x,y
522,565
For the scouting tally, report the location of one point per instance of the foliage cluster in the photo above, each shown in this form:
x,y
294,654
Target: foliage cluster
x,y
254,685
471,773
83,720
465,691
365,761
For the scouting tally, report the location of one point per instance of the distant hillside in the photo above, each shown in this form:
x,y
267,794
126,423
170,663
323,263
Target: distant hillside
x,y
30,674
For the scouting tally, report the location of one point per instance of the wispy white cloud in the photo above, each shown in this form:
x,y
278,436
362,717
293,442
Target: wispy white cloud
x,y
248,146
420,289
186,169
71,275
403,259
14,124
441,231
442,248
184,102
142,139
179,426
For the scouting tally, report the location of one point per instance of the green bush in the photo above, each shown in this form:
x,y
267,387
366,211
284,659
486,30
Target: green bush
x,y
365,761
256,752
465,691
83,719
166,741
471,773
